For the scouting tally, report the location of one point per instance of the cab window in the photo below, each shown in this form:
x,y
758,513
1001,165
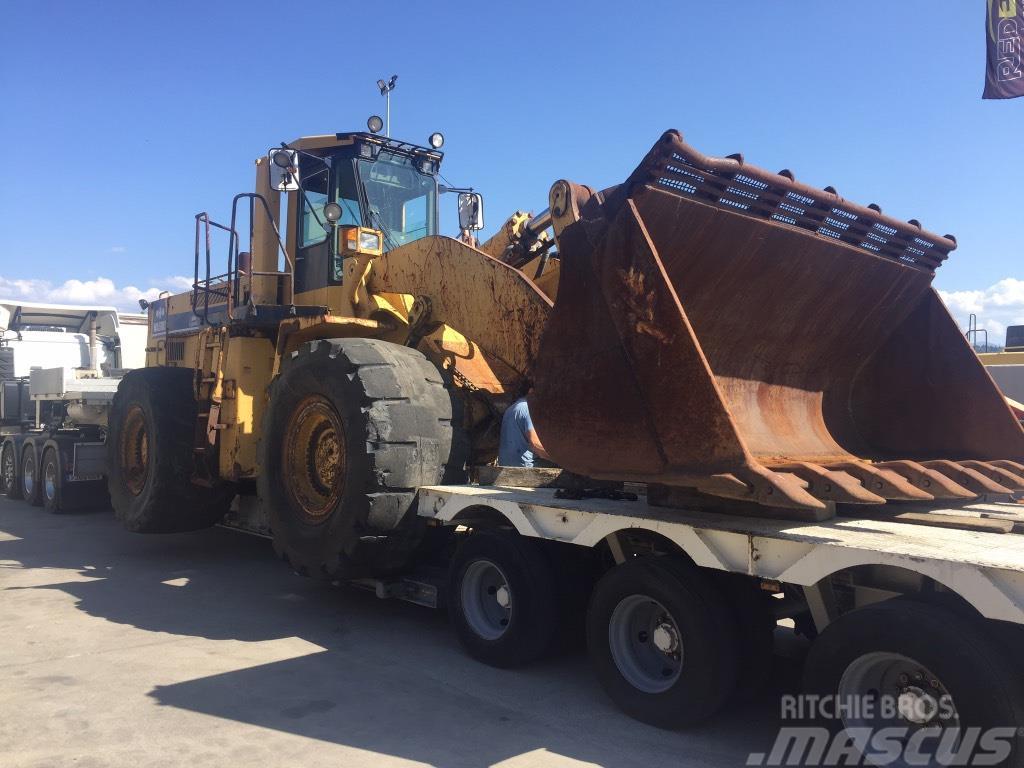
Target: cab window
x,y
401,201
313,225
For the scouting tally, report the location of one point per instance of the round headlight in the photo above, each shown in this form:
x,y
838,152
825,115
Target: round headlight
x,y
282,158
375,124
332,212
437,140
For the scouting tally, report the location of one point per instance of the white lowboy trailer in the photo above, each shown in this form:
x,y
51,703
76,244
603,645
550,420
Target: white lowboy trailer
x,y
61,368
681,605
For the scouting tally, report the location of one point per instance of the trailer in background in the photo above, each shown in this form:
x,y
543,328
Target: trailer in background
x,y
59,369
1007,368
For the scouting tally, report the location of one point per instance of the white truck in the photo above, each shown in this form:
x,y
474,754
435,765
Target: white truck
x,y
59,370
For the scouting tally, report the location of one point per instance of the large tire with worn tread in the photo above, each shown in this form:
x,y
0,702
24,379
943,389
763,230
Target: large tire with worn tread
x,y
663,641
151,465
906,647
353,428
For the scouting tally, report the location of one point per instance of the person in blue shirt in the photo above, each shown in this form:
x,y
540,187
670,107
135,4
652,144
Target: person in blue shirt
x,y
519,445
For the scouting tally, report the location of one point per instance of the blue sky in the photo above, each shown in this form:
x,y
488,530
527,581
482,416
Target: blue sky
x,y
121,120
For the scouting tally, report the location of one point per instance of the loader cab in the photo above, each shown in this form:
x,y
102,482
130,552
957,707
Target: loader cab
x,y
375,182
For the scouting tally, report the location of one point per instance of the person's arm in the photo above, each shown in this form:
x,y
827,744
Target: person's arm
x,y
535,444
531,434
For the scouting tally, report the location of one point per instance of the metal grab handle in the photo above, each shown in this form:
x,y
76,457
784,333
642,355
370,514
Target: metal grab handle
x,y
203,220
232,276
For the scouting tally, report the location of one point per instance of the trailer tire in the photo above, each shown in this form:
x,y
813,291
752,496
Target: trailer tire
x,y
151,427
31,487
52,481
10,471
868,649
662,641
502,598
352,429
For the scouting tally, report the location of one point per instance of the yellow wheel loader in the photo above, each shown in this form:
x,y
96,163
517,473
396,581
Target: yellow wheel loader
x,y
730,336
344,355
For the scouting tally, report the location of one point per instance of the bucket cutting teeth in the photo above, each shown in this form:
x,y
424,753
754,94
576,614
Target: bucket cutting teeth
x,y
831,484
885,482
1005,477
928,480
758,485
1016,467
969,478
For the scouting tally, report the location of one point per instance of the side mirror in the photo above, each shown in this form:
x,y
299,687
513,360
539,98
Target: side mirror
x,y
471,211
284,169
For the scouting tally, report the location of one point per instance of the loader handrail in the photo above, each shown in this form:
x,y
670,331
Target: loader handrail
x,y
233,245
204,222
228,285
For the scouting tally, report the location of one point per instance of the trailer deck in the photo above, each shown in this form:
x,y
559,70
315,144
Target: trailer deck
x,y
985,568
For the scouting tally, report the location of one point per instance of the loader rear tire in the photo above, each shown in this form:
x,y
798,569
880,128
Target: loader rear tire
x,y
353,428
150,459
663,641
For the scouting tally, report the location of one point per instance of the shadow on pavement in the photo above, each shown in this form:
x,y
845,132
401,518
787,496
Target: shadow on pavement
x,y
390,677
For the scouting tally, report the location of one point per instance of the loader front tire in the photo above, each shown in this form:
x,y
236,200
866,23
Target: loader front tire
x,y
353,428
150,460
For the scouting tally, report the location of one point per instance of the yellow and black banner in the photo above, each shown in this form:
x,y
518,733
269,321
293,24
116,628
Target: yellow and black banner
x,y
1004,29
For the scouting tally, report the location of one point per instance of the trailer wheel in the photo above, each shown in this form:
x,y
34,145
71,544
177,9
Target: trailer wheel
x,y
10,479
52,479
31,485
662,641
914,666
353,428
502,599
150,460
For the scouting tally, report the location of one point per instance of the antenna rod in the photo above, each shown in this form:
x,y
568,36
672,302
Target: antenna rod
x,y
386,87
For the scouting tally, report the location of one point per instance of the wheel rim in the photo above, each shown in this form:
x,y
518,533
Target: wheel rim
x,y
134,450
50,480
314,459
645,644
28,474
486,599
920,697
7,461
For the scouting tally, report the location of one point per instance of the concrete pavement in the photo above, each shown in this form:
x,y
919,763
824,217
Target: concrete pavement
x,y
202,649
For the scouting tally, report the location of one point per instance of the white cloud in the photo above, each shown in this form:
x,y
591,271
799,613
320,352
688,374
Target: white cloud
x,y
997,306
101,290
118,249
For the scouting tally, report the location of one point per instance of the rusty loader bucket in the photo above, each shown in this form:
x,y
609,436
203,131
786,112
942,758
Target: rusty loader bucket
x,y
725,329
